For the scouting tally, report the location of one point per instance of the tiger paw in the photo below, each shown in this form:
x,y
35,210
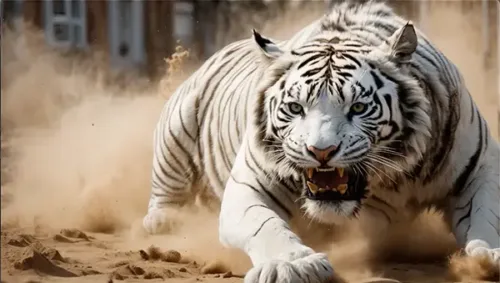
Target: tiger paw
x,y
479,248
314,268
159,221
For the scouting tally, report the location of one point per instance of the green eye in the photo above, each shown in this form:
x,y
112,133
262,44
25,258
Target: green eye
x,y
358,108
295,108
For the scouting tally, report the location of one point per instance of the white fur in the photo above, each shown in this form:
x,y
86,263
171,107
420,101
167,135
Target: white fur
x,y
252,223
314,268
329,214
481,248
159,220
250,219
480,234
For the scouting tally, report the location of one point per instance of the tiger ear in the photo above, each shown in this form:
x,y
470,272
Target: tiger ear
x,y
403,43
267,47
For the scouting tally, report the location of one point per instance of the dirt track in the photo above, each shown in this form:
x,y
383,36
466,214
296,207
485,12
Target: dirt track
x,y
86,166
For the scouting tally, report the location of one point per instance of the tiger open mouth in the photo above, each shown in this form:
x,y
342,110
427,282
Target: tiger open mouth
x,y
334,184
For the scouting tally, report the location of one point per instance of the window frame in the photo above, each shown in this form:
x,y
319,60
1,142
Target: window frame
x,y
137,50
51,20
184,11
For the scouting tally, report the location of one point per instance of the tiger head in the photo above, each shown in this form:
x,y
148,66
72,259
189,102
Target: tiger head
x,y
341,117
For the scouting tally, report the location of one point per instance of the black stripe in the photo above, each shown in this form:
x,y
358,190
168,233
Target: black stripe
x,y
164,154
472,112
186,154
308,60
163,171
467,215
192,138
352,58
235,114
369,113
199,144
378,82
263,188
254,206
163,183
220,117
229,62
377,199
294,189
495,226
170,202
260,228
447,138
275,199
219,83
260,192
465,205
379,210
495,214
211,156
459,184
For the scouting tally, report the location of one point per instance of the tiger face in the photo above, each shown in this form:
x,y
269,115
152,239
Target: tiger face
x,y
335,117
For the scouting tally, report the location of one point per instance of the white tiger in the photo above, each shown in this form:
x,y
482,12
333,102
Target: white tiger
x,y
357,114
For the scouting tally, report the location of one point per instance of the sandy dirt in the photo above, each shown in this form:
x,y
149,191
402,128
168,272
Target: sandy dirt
x,y
76,181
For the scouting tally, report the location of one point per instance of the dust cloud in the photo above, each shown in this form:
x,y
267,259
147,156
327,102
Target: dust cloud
x,y
79,151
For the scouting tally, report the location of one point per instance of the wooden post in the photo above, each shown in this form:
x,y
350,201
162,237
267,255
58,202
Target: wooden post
x,y
200,22
32,12
97,25
159,30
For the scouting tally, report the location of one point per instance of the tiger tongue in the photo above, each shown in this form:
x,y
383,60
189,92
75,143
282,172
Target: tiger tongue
x,y
328,179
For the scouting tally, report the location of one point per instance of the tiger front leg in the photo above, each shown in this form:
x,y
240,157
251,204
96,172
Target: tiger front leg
x,y
476,214
169,191
174,169
252,221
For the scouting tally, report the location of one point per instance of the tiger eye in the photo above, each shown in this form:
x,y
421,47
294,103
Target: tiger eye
x,y
358,107
295,108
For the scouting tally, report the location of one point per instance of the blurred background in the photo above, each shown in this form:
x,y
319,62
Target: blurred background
x,y
125,44
138,34
83,83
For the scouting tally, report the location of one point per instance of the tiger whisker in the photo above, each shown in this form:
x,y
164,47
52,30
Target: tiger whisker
x,y
389,151
385,161
381,162
371,166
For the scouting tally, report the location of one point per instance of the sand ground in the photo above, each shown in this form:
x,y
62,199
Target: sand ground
x,y
78,178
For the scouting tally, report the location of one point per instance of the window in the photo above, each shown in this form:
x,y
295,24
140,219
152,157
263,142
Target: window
x,y
125,18
65,23
184,22
126,33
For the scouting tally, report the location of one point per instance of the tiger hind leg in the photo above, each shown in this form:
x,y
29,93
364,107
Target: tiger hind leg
x,y
174,170
476,214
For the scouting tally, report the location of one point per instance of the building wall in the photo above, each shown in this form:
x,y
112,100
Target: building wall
x,y
158,34
97,25
32,13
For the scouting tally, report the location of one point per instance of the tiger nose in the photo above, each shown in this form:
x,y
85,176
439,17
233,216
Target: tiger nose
x,y
324,154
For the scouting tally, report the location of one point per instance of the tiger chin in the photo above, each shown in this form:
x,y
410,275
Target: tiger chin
x,y
356,114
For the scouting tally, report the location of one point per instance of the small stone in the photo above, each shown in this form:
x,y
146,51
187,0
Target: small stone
x,y
172,256
144,255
